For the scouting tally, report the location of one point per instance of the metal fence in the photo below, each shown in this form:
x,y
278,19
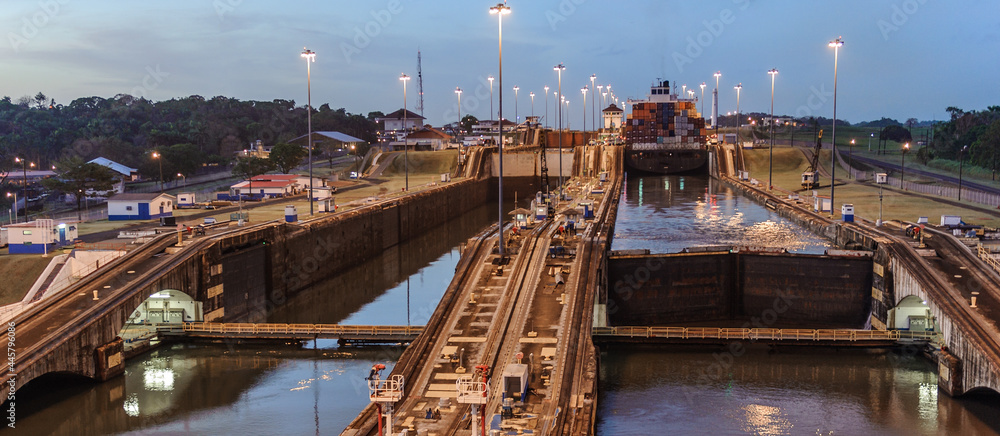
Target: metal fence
x,y
179,183
848,335
971,195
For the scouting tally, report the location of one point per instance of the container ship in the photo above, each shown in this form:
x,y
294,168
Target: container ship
x,y
665,134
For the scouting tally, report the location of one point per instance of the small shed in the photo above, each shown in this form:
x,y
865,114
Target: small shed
x,y
39,236
123,207
186,199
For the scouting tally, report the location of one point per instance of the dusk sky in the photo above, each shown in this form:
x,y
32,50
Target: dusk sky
x,y
901,58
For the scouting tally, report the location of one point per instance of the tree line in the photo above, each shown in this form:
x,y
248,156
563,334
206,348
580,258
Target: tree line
x,y
188,132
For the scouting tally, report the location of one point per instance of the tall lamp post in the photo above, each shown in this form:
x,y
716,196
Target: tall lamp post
x,y
961,161
584,112
770,154
738,88
702,98
902,166
593,105
406,138
716,103
516,119
183,178
500,10
15,206
532,95
492,114
458,91
310,57
559,69
159,160
870,141
850,159
24,184
836,44
546,88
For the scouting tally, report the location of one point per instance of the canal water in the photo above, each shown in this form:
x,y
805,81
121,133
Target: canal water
x,y
788,391
214,389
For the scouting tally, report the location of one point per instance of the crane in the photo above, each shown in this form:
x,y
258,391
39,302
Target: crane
x,y
810,177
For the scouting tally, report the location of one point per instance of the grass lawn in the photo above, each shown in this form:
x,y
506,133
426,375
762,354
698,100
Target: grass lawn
x,y
20,272
789,164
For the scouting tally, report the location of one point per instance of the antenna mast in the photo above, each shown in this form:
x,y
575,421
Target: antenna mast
x,y
420,85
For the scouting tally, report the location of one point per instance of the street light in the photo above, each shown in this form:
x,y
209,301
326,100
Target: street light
x,y
310,57
836,44
738,88
691,94
159,160
593,107
770,154
516,88
684,90
24,184
870,141
406,138
559,69
500,10
960,162
532,95
584,112
850,159
458,91
183,178
702,98
15,207
902,166
491,79
546,88
716,103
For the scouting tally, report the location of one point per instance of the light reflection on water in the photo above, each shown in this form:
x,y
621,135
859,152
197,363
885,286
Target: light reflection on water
x,y
216,389
684,390
789,392
666,214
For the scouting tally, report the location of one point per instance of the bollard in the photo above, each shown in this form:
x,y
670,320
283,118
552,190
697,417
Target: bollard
x,y
974,299
95,295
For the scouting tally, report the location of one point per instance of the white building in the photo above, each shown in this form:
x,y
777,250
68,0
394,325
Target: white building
x,y
121,172
124,207
395,121
613,117
39,236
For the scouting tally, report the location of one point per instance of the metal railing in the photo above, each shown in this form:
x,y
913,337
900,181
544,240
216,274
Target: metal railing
x,y
849,335
971,195
990,259
295,329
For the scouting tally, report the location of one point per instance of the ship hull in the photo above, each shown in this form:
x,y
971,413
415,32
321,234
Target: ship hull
x,y
667,161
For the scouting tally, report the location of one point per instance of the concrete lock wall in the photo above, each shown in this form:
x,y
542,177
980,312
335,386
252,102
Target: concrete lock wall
x,y
767,290
298,256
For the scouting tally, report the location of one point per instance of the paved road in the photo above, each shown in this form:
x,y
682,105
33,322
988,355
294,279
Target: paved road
x,y
949,179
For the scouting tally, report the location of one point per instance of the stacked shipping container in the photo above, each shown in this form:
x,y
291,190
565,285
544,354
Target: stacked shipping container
x,y
665,125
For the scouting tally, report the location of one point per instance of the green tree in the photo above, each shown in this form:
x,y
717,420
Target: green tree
x,y
467,122
286,157
78,177
248,167
895,133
